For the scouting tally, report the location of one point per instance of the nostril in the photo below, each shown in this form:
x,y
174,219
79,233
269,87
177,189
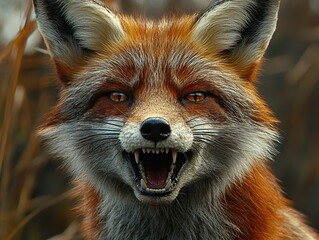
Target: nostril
x,y
165,129
155,129
146,128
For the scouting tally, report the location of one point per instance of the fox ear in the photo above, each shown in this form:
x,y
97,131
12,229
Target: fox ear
x,y
74,29
238,30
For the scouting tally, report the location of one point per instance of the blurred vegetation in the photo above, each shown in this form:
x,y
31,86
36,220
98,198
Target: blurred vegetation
x,y
290,84
34,194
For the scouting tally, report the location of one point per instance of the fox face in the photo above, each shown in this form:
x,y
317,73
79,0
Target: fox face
x,y
150,110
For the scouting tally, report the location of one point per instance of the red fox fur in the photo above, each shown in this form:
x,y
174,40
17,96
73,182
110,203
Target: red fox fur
x,y
160,123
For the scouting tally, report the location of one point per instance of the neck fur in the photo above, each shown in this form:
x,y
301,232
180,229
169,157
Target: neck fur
x,y
250,206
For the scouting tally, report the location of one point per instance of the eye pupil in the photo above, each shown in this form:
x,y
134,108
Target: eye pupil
x,y
118,96
196,97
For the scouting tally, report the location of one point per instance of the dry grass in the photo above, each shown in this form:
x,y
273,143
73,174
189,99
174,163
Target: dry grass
x,y
34,197
21,158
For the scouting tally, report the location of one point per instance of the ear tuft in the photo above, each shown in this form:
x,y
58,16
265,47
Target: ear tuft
x,y
237,29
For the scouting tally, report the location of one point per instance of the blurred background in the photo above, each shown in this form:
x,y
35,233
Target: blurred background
x,y
35,200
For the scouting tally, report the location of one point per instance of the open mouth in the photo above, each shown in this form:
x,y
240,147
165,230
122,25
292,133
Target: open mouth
x,y
157,170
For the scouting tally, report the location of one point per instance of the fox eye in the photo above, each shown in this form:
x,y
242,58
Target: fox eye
x,y
196,97
118,97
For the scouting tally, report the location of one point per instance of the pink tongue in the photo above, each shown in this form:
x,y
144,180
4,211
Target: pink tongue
x,y
156,173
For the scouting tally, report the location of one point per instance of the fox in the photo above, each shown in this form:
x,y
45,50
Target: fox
x,y
160,123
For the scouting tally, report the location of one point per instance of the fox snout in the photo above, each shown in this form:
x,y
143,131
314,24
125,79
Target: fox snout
x,y
158,152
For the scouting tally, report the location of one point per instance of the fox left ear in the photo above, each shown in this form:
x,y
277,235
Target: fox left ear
x,y
75,29
238,30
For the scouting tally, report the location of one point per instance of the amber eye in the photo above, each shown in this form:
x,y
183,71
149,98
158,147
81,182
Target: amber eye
x,y
196,97
118,97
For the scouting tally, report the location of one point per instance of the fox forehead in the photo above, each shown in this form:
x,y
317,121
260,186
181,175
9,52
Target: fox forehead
x,y
153,45
159,33
152,54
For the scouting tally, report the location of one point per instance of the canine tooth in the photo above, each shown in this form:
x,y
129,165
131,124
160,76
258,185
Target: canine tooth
x,y
174,156
168,185
143,184
137,156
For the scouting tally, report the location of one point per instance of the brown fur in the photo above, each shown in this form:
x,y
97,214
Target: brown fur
x,y
253,205
87,208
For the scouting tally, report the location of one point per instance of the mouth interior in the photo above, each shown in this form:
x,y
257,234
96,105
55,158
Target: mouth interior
x,y
157,170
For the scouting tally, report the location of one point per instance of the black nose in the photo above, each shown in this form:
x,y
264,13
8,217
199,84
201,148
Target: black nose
x,y
155,129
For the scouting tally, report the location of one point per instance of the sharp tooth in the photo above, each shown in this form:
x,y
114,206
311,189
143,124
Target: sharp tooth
x,y
148,150
153,151
168,185
174,156
157,151
143,149
137,156
143,184
166,150
162,150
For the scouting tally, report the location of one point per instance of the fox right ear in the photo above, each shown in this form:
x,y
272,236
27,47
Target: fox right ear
x,y
74,29
238,30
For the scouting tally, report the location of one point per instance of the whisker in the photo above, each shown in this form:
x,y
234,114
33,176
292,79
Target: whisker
x,y
99,129
115,123
96,141
89,140
116,155
207,123
98,146
185,156
212,134
201,117
192,119
118,109
108,135
198,152
204,140
205,130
